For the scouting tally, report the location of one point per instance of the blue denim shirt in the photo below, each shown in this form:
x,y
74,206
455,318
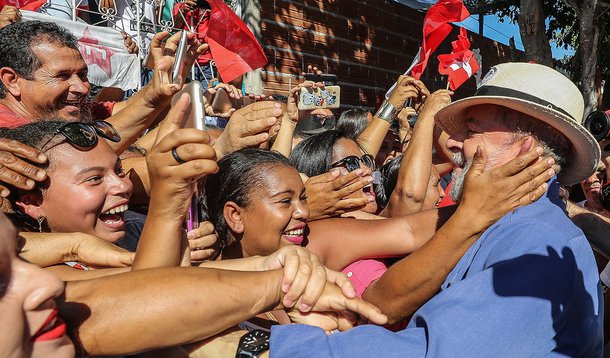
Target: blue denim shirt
x,y
529,287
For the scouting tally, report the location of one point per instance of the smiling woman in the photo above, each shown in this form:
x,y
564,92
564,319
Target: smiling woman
x,y
86,190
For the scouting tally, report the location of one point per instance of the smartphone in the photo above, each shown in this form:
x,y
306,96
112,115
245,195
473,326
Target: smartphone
x,y
326,78
180,59
313,98
192,216
222,102
195,114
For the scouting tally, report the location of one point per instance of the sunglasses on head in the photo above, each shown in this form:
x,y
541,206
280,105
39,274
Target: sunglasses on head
x,y
86,134
352,162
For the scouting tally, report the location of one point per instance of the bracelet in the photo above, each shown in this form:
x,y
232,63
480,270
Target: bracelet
x,y
387,112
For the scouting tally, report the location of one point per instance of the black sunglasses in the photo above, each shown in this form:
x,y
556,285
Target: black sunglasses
x,y
86,134
352,162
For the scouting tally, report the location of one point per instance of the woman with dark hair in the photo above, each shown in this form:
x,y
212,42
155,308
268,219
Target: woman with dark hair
x,y
87,190
257,203
322,152
353,121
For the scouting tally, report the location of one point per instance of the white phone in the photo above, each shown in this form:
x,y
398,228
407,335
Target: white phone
x,y
180,59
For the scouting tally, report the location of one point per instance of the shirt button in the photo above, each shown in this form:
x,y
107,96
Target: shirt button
x,y
349,274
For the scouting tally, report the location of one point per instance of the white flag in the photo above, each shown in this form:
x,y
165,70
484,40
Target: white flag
x,y
104,52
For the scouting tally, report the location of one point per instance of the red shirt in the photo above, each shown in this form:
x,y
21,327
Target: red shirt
x,y
8,118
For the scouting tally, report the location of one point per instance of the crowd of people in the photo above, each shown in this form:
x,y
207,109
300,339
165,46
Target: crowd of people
x,y
428,228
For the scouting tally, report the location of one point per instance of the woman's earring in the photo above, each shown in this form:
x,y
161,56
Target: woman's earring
x,y
40,221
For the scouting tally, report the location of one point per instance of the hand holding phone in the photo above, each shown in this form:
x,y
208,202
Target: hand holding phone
x,y
180,59
314,98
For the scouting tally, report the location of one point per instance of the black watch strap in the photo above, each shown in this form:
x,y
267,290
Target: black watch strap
x,y
253,343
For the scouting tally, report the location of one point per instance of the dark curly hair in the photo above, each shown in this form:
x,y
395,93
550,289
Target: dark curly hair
x,y
17,40
238,173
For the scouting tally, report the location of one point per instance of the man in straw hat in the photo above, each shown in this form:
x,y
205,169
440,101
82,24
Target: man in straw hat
x,y
528,286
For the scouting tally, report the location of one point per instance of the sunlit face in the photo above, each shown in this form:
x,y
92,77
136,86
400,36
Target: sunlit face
x,y
434,191
592,187
27,308
59,87
344,148
277,212
483,126
88,191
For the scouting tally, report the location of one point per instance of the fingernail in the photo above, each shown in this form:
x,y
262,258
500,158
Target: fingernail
x,y
190,235
4,193
40,174
335,172
271,121
551,172
545,186
539,150
359,171
288,303
304,308
370,179
277,105
370,199
29,183
551,161
285,287
277,111
41,156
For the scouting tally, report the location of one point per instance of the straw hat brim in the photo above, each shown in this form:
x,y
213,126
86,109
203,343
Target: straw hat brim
x,y
585,156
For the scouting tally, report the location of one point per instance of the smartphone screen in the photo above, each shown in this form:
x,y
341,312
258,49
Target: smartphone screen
x,y
180,59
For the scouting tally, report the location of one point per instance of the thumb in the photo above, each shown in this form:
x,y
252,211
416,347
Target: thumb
x,y
175,117
479,161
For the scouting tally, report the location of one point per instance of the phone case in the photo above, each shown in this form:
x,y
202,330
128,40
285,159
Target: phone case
x,y
195,114
180,59
313,98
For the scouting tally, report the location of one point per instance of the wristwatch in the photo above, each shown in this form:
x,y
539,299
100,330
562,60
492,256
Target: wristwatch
x,y
252,344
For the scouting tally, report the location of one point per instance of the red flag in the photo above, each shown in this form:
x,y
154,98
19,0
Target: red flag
x,y
460,64
31,5
436,28
234,48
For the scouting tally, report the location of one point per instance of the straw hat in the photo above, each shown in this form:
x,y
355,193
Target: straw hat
x,y
542,93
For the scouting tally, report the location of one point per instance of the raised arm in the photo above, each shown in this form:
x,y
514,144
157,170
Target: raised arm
x,y
178,159
138,112
416,163
372,136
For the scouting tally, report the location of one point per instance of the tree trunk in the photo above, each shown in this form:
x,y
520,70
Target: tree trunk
x,y
589,41
533,35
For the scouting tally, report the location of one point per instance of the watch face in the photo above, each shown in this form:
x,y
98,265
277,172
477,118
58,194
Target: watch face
x,y
255,341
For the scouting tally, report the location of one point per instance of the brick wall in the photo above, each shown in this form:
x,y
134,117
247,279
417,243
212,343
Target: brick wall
x,y
367,44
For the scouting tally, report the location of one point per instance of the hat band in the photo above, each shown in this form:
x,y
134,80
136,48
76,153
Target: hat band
x,y
507,92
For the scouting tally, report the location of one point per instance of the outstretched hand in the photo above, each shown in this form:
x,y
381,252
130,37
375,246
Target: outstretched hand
x,y
15,169
328,193
161,88
248,127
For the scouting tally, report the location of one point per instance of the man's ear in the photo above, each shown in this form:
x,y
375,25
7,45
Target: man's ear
x,y
233,216
30,203
9,78
526,144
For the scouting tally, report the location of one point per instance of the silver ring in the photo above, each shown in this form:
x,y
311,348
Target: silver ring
x,y
177,157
